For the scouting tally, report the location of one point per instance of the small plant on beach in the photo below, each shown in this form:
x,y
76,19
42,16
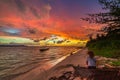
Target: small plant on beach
x,y
116,63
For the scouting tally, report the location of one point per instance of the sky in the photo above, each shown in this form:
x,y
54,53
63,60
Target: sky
x,y
42,18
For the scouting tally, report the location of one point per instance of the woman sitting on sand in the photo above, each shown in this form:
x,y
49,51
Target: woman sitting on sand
x,y
91,61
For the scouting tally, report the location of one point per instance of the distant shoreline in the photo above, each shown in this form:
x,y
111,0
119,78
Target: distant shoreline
x,y
22,45
12,45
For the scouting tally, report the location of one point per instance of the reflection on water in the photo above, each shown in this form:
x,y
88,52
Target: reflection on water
x,y
14,58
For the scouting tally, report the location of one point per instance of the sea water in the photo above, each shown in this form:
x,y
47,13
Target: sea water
x,y
16,58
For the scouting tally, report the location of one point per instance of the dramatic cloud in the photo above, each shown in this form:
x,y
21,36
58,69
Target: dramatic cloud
x,y
20,5
41,18
9,30
20,13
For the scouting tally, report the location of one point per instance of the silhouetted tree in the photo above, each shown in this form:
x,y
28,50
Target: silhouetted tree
x,y
90,37
98,36
111,17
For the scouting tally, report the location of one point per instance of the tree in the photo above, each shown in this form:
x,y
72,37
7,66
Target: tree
x,y
111,17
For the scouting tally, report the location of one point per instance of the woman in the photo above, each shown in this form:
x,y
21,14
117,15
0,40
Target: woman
x,y
91,61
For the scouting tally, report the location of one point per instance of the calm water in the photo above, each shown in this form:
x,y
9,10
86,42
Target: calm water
x,y
15,58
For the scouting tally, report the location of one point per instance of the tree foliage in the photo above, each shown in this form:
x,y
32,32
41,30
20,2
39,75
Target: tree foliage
x,y
111,17
107,45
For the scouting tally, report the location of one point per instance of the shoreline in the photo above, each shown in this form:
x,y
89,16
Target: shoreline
x,y
47,71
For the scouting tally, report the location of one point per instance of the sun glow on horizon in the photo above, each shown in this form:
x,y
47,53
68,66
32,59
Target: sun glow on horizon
x,y
51,41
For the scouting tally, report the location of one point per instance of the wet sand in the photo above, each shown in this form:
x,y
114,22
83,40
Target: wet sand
x,y
44,73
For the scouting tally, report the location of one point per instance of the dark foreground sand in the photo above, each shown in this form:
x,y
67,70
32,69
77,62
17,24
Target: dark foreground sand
x,y
46,72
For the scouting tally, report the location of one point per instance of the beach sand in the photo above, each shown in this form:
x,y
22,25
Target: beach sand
x,y
44,73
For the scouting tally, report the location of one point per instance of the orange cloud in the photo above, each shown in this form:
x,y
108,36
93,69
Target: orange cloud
x,y
35,20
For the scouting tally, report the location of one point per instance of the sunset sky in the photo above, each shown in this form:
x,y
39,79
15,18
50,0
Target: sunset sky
x,y
43,18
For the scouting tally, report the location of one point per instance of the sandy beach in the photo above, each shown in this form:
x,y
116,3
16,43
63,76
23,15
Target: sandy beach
x,y
46,72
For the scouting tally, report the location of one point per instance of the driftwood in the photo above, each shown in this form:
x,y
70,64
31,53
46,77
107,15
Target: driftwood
x,y
89,74
97,74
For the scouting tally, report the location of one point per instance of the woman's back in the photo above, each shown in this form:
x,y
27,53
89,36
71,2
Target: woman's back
x,y
91,61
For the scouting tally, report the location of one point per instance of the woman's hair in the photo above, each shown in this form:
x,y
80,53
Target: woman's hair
x,y
91,54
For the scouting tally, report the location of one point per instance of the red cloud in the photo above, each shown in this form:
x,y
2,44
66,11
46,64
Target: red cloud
x,y
28,15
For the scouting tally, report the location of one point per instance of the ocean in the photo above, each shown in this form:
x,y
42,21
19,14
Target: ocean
x,y
14,59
